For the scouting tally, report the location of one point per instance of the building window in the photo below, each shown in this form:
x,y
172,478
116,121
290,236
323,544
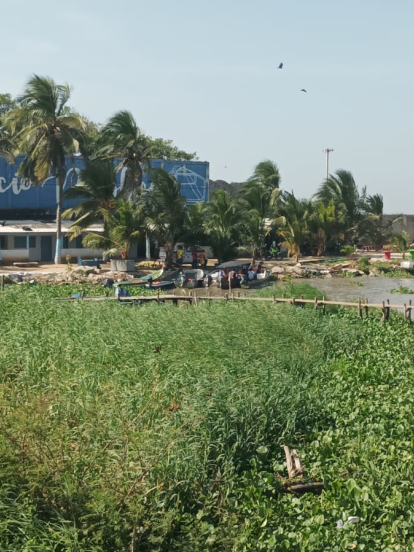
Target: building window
x,y
32,242
72,244
3,242
20,242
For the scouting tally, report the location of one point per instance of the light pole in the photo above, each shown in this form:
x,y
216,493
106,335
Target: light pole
x,y
327,151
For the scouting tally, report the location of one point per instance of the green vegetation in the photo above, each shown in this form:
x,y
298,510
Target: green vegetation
x,y
402,289
157,428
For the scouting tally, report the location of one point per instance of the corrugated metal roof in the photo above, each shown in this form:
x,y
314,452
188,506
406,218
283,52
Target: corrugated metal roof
x,y
39,227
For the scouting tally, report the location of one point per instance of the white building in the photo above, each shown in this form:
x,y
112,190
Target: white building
x,y
30,240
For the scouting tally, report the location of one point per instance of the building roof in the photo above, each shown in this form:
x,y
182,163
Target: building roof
x,y
39,227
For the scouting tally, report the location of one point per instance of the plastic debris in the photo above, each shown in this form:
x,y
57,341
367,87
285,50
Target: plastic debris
x,y
353,519
339,524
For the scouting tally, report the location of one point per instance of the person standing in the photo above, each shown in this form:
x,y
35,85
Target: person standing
x,y
203,259
180,257
195,257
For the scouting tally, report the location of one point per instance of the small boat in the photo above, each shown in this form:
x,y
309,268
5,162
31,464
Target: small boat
x,y
161,285
407,265
141,282
191,279
242,270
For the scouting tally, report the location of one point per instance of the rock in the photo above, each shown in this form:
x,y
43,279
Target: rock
x,y
278,270
328,275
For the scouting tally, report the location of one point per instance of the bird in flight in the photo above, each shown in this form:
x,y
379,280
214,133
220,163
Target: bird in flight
x,y
303,90
280,66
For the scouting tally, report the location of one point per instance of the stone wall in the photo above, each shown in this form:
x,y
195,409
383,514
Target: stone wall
x,y
402,223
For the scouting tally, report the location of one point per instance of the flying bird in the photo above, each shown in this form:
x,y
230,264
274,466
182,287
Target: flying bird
x,y
280,66
303,90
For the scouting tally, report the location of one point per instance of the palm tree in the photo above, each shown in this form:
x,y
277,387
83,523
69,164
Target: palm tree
x,y
257,198
401,243
46,131
165,212
95,189
373,226
223,225
7,146
194,233
267,173
321,224
121,137
122,228
342,189
294,214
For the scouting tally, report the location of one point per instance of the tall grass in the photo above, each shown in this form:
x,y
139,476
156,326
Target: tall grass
x,y
161,428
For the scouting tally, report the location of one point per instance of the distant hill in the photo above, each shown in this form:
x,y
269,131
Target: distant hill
x,y
232,188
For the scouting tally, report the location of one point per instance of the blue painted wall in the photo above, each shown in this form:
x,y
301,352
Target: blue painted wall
x,y
15,194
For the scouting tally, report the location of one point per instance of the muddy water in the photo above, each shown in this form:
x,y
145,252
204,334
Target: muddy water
x,y
375,290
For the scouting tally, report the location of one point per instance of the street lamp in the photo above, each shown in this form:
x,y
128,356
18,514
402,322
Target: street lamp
x,y
327,151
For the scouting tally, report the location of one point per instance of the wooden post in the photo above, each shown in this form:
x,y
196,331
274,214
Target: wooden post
x,y
360,308
2,282
388,309
226,295
409,311
283,295
293,301
316,303
324,306
274,298
366,308
232,295
158,295
303,304
384,314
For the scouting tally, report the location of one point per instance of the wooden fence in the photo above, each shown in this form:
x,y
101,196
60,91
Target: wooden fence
x,y
363,307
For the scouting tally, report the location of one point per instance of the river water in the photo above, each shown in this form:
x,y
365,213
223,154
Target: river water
x,y
375,289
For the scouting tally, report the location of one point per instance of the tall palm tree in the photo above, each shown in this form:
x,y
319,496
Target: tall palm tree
x,y
7,145
267,173
165,212
122,228
257,198
194,231
223,225
342,189
121,137
321,224
95,189
46,131
294,215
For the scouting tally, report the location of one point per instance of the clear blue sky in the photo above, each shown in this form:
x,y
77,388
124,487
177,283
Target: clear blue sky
x,y
204,73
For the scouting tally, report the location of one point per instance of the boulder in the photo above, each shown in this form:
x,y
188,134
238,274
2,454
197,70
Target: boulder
x,y
278,270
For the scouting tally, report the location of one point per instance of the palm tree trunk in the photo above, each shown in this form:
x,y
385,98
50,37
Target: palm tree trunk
x,y
60,178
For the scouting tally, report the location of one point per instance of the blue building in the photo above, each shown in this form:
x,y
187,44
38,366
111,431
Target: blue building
x,y
19,199
27,211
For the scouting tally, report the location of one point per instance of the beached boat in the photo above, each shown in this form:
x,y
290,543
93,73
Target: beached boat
x,y
161,285
140,282
191,279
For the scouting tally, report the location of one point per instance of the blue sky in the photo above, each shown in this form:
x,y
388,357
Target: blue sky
x,y
204,73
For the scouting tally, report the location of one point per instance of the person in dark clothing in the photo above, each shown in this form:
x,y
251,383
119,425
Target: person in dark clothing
x,y
195,257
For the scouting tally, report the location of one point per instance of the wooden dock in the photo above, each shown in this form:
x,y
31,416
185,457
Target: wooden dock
x,y
363,307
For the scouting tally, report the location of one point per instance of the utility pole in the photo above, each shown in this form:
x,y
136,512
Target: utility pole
x,y
327,151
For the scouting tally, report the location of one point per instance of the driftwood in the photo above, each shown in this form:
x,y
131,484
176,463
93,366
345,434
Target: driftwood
x,y
295,469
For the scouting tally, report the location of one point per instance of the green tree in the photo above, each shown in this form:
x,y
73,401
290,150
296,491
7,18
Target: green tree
x,y
401,243
165,212
294,215
46,131
258,198
223,225
343,191
194,228
123,225
122,138
321,224
165,149
95,190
